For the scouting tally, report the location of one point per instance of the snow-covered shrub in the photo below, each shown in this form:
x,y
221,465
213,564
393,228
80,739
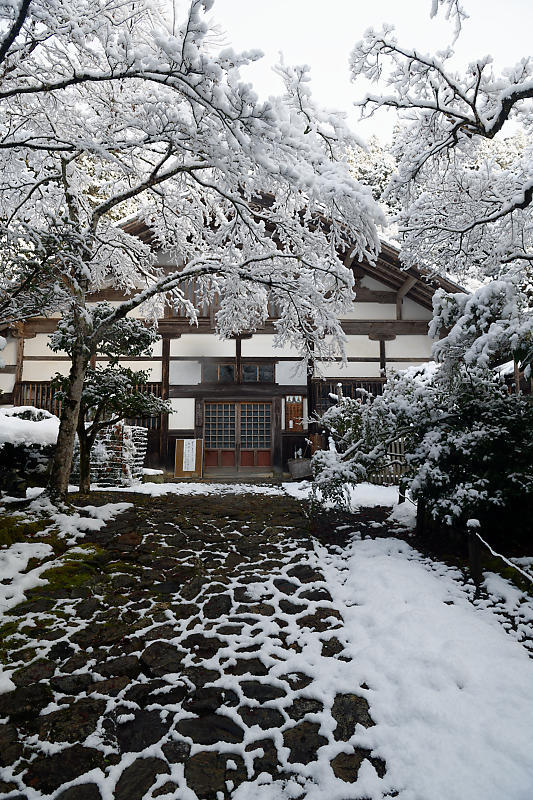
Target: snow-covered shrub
x,y
27,440
468,443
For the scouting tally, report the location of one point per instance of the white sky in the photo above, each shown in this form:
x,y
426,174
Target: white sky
x,y
322,33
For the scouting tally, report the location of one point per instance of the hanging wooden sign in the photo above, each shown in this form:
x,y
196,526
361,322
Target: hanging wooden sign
x,y
189,458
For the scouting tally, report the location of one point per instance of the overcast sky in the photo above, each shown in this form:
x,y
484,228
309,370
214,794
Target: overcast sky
x,y
322,33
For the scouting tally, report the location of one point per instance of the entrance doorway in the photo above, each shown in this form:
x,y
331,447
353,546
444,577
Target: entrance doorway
x,y
238,435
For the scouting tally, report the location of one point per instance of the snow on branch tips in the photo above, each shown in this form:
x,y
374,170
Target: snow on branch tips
x,y
126,116
465,191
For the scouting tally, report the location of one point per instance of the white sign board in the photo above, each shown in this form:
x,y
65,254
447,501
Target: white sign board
x,y
189,455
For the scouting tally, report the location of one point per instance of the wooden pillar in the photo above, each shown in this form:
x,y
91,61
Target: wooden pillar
x,y
310,394
18,334
382,358
238,360
163,433
277,452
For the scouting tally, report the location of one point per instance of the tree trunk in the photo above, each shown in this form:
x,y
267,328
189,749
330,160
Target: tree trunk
x,y
62,461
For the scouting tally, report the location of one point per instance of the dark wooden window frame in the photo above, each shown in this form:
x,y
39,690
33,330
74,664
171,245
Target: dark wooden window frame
x,y
238,364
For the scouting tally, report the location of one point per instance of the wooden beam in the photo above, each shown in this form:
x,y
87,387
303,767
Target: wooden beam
x,y
364,295
234,391
385,327
402,291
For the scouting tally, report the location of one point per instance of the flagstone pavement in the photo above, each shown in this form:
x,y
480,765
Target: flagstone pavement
x,y
183,654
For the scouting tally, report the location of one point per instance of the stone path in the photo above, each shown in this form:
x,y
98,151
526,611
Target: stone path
x,y
177,653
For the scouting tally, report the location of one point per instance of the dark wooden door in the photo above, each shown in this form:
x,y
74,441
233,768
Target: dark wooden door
x,y
220,440
255,434
238,435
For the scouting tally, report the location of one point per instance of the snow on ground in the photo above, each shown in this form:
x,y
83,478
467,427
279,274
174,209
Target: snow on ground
x,y
185,488
363,495
451,693
13,564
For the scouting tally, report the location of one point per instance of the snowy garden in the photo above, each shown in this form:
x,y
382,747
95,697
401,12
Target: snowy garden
x,y
366,633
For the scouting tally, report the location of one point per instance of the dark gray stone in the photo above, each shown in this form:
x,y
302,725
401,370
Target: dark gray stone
x,y
10,747
262,692
347,711
161,658
147,728
47,773
217,606
136,780
210,729
205,774
304,705
264,717
25,702
111,686
248,666
123,665
315,594
37,671
82,791
305,573
71,684
207,700
296,680
303,741
176,752
72,724
286,587
346,765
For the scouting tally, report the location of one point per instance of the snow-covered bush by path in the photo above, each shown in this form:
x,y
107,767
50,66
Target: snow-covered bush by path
x,y
27,440
27,425
468,442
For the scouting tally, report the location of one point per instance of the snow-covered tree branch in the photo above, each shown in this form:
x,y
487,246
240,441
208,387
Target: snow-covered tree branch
x,y
113,113
463,209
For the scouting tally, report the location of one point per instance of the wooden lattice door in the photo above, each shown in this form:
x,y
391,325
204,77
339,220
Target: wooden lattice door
x,y
255,434
238,435
220,440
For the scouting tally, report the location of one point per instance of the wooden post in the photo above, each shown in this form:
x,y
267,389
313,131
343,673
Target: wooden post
x,y
163,434
474,557
382,358
310,393
17,389
277,454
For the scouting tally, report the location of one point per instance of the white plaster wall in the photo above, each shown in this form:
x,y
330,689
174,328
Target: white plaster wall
x,y
371,283
185,372
43,370
412,310
352,369
153,367
38,346
418,346
182,415
262,345
371,311
362,347
9,354
202,345
7,383
291,373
